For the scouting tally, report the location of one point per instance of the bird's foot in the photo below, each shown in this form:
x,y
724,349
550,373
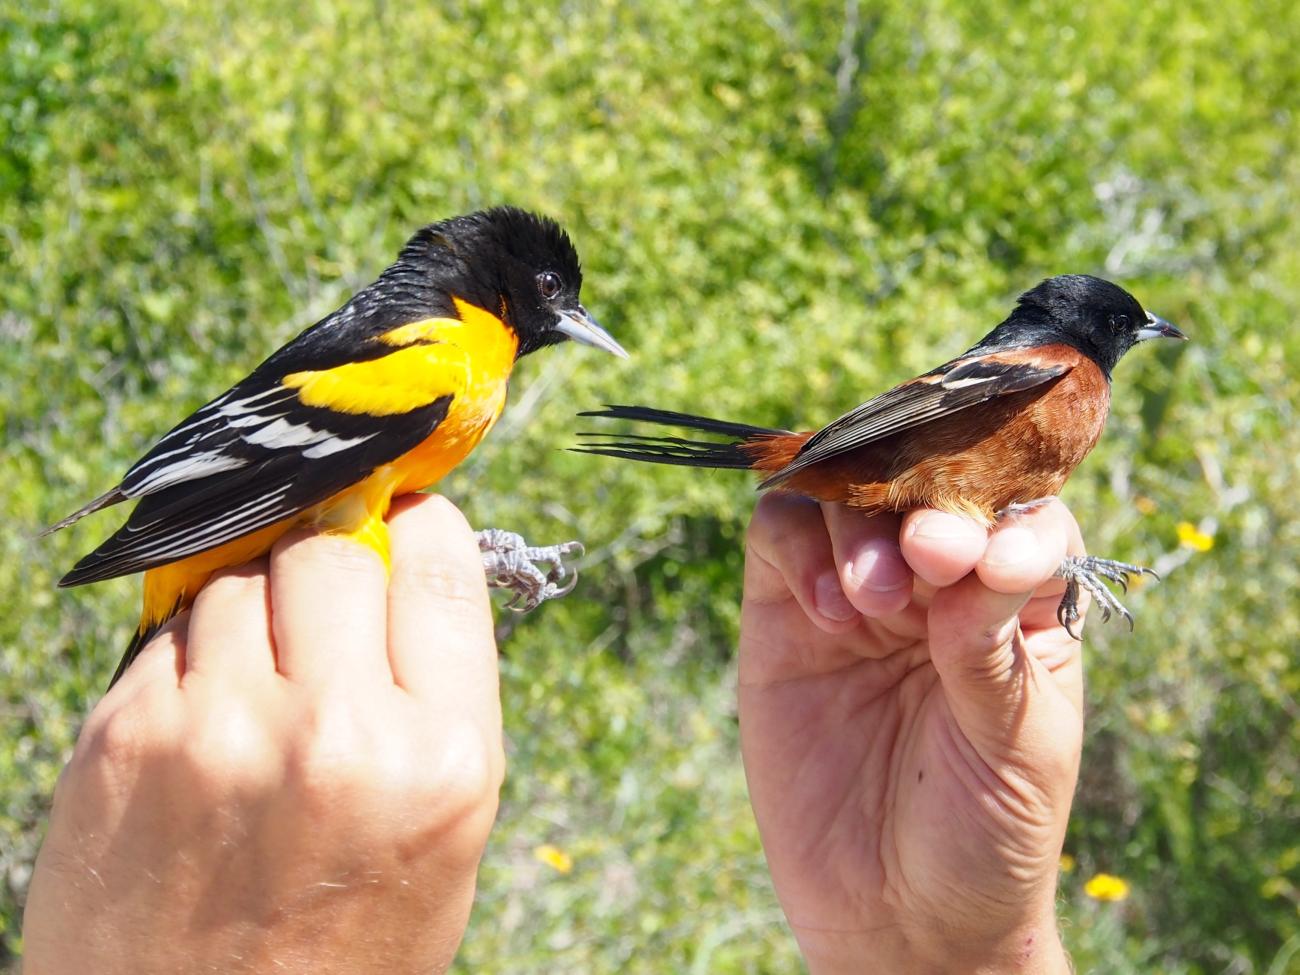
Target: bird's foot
x,y
1087,572
511,563
1024,507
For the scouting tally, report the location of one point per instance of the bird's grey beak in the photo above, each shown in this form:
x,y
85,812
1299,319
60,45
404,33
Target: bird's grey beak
x,y
1157,328
581,327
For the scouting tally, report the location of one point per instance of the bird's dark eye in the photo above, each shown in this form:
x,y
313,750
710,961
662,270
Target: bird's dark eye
x,y
549,284
1119,323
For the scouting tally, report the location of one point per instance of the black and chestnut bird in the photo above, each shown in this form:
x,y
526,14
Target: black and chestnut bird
x,y
996,429
383,397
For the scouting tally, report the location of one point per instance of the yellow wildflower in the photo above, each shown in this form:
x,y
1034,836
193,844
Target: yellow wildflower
x,y
554,857
1067,863
1106,887
1192,537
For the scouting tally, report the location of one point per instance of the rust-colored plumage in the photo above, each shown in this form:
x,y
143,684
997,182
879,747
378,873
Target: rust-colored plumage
x,y
976,462
1004,424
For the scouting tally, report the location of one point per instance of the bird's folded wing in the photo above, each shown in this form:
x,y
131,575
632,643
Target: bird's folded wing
x,y
957,385
272,447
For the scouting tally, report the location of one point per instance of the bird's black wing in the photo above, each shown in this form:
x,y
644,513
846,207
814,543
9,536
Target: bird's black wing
x,y
258,454
954,386
232,480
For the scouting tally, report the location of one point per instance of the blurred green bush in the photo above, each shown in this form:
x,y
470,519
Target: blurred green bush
x,y
829,196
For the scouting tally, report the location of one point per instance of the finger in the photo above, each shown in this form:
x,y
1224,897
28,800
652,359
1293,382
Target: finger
x,y
230,625
1026,549
788,553
1040,612
990,680
942,547
328,610
873,573
1048,640
978,653
440,641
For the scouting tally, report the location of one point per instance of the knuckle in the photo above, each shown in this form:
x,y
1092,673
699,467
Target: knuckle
x,y
228,748
333,753
112,742
331,552
436,534
120,739
453,774
343,758
440,514
471,770
994,667
460,583
343,554
458,797
778,523
435,522
114,749
233,585
764,523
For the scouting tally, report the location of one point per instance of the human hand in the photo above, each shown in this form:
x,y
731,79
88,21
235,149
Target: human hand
x,y
911,724
298,775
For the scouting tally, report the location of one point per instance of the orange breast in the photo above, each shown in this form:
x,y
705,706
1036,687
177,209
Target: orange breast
x,y
491,347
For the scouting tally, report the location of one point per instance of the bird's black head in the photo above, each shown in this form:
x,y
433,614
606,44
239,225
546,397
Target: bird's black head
x,y
516,264
1098,318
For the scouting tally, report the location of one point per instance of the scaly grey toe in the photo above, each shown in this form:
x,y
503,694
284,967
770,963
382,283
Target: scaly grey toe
x,y
511,563
1086,572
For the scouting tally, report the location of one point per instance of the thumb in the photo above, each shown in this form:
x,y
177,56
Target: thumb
x,y
1006,702
978,651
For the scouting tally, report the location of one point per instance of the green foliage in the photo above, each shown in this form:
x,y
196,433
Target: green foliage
x,y
782,207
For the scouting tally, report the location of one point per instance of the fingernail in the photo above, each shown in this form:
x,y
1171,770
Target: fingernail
x,y
878,566
829,598
1011,546
942,526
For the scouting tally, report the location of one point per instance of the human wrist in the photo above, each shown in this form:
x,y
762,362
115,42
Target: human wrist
x,y
1032,949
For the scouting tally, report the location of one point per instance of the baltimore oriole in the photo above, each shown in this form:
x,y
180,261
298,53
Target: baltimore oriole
x,y
995,430
383,397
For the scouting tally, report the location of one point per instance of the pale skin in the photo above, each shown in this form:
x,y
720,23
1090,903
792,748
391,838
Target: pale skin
x,y
300,774
911,723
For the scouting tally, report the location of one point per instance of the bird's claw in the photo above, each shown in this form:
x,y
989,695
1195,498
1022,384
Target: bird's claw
x,y
1087,572
511,563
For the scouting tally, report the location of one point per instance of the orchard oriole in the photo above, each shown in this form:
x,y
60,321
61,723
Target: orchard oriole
x,y
997,429
380,398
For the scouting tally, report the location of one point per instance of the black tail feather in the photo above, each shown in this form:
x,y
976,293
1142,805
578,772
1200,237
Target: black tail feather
x,y
690,421
674,450
669,450
138,640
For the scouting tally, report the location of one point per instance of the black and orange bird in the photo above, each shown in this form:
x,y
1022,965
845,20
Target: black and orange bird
x,y
996,430
381,398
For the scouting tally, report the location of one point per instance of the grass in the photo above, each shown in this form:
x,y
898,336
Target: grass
x,y
830,196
